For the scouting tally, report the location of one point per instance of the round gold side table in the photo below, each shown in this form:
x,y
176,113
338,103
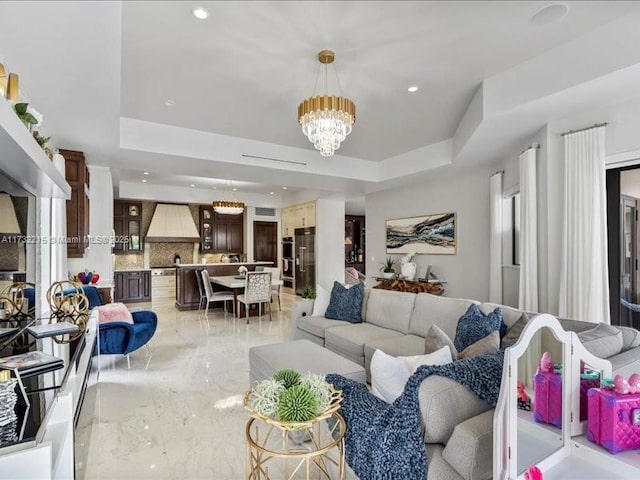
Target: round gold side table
x,y
314,451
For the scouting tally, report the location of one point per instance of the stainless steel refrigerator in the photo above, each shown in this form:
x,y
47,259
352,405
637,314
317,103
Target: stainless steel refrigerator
x,y
305,253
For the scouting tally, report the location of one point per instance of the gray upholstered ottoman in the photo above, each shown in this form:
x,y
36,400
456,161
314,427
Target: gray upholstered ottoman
x,y
300,355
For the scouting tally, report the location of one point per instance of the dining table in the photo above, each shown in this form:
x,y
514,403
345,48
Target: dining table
x,y
237,284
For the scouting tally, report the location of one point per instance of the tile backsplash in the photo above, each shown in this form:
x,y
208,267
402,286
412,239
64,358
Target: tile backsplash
x,y
129,260
162,254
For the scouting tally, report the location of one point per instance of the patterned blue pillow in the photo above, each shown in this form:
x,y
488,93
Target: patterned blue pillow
x,y
474,325
345,303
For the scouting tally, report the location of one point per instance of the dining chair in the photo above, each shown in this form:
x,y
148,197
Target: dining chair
x,y
257,289
276,274
203,294
212,297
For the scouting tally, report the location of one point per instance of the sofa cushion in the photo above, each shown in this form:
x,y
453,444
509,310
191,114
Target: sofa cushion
x,y
396,346
571,325
317,325
513,333
470,449
345,303
485,346
510,315
626,363
389,374
350,339
603,341
389,309
475,325
436,339
444,403
439,468
435,310
630,338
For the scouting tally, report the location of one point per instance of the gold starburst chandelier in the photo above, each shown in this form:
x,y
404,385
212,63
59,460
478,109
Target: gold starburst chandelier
x,y
326,119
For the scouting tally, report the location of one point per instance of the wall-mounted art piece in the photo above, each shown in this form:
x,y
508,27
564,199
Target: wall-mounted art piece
x,y
428,234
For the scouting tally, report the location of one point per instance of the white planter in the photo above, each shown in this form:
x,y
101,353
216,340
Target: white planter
x,y
409,270
388,274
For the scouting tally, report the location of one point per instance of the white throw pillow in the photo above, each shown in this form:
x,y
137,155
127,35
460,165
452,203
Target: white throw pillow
x,y
390,374
439,357
321,302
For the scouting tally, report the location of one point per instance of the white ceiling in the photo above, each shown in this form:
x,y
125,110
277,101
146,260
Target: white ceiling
x,y
102,71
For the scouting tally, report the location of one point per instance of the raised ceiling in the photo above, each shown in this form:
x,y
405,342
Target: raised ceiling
x,y
101,73
243,71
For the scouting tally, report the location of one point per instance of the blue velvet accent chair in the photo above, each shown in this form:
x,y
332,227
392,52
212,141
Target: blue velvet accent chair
x,y
123,338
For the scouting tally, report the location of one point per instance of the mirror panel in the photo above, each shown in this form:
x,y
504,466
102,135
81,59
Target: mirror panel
x,y
540,381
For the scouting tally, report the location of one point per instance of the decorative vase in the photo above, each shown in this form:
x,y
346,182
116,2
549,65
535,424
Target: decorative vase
x,y
408,270
388,275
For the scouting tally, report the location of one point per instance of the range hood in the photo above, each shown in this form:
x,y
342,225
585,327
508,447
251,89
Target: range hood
x,y
8,219
172,223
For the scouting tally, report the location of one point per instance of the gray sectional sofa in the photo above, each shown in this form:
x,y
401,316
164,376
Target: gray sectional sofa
x,y
458,425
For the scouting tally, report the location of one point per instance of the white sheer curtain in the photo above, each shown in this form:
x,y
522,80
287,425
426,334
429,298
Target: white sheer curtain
x,y
495,239
528,289
59,270
584,289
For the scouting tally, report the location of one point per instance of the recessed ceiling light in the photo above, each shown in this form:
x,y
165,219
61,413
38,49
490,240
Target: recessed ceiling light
x,y
145,173
144,180
413,88
215,188
200,13
169,103
549,14
192,185
234,189
284,188
270,193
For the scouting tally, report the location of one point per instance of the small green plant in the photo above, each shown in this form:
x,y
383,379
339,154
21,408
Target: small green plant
x,y
297,404
289,378
26,116
265,397
387,265
308,292
42,141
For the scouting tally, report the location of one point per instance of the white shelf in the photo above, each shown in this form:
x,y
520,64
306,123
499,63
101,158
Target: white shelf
x,y
24,162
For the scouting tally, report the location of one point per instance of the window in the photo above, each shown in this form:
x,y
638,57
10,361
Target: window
x,y
515,230
511,228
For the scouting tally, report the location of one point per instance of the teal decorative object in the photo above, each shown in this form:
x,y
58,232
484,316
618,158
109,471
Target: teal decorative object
x,y
289,378
297,404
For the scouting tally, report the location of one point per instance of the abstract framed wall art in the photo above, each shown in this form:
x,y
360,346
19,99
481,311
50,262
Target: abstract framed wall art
x,y
429,234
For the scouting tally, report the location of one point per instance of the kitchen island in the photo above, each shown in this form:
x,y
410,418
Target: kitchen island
x,y
187,293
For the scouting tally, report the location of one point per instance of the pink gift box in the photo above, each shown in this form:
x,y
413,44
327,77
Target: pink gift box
x,y
547,399
614,419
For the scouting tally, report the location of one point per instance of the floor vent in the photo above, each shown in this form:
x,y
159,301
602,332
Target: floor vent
x,y
265,212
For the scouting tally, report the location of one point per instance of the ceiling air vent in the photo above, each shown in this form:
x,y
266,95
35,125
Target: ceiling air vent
x,y
265,212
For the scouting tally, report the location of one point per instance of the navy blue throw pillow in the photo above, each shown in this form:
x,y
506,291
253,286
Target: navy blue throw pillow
x,y
345,303
474,325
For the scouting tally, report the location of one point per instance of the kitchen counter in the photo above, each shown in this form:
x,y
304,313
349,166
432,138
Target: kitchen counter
x,y
132,270
187,293
211,264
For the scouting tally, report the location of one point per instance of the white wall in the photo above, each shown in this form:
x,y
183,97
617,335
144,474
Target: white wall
x,y
464,191
98,257
329,242
250,217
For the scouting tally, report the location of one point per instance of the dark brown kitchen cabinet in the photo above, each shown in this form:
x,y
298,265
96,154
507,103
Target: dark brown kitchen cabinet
x,y
77,176
132,286
221,233
127,225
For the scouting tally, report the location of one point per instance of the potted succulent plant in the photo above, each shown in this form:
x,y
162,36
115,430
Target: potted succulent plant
x,y
387,268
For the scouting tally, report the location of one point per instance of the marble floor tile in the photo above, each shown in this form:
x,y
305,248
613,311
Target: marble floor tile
x,y
181,416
